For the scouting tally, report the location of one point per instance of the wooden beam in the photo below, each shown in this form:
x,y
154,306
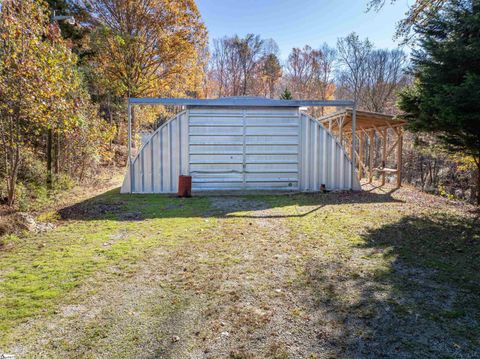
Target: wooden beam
x,y
390,150
340,127
362,164
360,156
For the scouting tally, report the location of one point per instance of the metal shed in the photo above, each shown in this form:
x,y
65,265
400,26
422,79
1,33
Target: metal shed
x,y
240,143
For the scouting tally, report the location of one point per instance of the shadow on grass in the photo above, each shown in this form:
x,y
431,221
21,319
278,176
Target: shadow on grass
x,y
125,207
410,290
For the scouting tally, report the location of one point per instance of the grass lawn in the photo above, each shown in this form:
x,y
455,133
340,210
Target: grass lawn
x,y
363,275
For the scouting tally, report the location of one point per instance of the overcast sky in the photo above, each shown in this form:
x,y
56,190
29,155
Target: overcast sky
x,y
297,23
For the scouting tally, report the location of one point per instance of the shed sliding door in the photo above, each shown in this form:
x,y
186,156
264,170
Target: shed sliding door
x,y
244,149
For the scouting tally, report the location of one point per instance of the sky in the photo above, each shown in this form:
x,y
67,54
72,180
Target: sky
x,y
302,22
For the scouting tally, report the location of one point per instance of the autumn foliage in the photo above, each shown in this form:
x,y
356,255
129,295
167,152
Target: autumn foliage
x,y
41,90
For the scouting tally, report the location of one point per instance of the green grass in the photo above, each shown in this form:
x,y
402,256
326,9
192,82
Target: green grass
x,y
367,268
42,269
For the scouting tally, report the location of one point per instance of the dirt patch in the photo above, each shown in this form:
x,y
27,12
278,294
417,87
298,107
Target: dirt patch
x,y
92,210
236,204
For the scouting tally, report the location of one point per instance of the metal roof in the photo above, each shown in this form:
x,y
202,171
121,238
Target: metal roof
x,y
243,101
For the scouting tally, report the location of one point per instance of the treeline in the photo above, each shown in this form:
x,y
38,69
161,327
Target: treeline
x,y
353,69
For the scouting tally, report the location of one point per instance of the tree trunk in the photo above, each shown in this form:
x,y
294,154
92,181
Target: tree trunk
x,y
11,190
57,154
49,157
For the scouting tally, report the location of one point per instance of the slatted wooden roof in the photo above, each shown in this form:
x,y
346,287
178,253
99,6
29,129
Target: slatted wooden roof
x,y
365,120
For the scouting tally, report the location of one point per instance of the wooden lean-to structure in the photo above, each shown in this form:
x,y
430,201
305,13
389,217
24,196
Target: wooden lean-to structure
x,y
378,138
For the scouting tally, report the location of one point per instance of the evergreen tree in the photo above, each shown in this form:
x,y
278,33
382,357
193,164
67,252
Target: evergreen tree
x,y
445,99
286,95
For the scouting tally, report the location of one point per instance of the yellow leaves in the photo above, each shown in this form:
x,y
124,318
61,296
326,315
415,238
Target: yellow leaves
x,y
160,46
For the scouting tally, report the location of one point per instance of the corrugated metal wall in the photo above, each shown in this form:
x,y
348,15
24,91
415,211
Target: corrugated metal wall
x,y
241,148
323,159
244,148
161,160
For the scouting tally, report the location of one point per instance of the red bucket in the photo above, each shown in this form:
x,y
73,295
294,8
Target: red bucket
x,y
184,186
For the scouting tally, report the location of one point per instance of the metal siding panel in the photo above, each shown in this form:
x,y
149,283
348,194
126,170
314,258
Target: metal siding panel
x,y
211,150
311,164
166,159
300,150
271,167
217,140
284,186
215,158
157,163
138,175
215,131
341,168
323,160
324,156
147,168
161,152
271,158
152,162
278,121
230,121
276,149
175,156
307,154
215,168
333,162
273,149
184,148
271,131
224,186
271,140
315,158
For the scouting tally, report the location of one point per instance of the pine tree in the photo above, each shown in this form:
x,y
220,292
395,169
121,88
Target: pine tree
x,y
286,95
445,99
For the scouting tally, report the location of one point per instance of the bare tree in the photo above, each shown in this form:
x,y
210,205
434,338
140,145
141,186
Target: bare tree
x,y
310,73
353,57
385,76
325,75
219,66
300,71
248,50
244,66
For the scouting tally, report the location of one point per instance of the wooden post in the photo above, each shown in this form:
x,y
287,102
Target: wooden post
x,y
129,116
399,156
354,130
340,133
384,153
360,156
370,155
